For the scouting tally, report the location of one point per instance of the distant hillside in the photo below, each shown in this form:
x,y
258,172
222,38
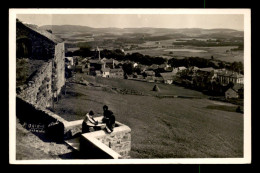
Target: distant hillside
x,y
189,32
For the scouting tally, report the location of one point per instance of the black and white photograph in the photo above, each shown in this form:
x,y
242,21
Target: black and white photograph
x,y
129,86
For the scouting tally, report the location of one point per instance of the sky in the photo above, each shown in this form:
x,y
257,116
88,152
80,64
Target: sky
x,y
206,21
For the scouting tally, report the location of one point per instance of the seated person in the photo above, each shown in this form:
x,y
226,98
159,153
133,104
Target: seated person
x,y
89,123
108,119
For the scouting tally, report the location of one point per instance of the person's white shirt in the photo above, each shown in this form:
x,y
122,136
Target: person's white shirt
x,y
90,120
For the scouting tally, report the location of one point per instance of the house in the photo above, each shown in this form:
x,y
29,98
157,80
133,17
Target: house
x,y
153,67
159,80
117,73
225,77
150,79
236,91
149,73
168,78
69,61
142,67
181,68
96,64
139,76
168,69
164,66
97,73
175,70
105,72
135,65
85,60
109,63
194,69
209,71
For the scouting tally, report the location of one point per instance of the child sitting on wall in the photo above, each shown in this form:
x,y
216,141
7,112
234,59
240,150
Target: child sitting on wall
x,y
109,119
89,123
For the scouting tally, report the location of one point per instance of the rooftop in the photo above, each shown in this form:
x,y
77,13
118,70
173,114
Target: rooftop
x,y
115,70
96,61
167,76
230,74
105,70
208,69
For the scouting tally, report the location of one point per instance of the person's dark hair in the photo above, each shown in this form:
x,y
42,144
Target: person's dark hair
x,y
105,107
91,113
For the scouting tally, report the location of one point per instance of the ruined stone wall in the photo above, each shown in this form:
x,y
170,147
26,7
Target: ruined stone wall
x,y
59,65
38,89
39,46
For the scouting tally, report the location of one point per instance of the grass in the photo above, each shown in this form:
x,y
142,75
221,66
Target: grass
x,y
223,107
218,53
161,127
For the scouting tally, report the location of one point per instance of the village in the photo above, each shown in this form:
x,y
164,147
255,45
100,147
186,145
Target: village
x,y
55,91
215,81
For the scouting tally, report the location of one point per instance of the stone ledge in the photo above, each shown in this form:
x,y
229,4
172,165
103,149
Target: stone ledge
x,y
90,145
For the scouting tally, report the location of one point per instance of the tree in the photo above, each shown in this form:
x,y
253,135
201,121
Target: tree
x,y
128,68
221,64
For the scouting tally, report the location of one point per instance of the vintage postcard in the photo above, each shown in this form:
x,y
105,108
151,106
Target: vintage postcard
x,y
130,86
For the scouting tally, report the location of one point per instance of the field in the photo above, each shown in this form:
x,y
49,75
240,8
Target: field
x,y
218,53
161,127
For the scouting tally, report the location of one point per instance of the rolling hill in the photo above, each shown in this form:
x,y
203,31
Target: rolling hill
x,y
187,32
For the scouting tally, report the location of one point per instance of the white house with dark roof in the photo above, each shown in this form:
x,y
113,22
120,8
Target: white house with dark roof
x,y
168,78
225,77
105,72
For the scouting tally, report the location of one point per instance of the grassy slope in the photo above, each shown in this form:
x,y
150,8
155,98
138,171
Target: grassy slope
x,y
32,146
162,128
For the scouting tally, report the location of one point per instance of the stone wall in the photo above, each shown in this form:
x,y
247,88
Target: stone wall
x,y
38,89
119,140
30,113
59,65
38,46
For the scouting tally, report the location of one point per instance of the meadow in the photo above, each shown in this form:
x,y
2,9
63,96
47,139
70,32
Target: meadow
x,y
219,53
161,127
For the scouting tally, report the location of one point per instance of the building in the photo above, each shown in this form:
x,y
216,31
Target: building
x,y
153,67
168,78
150,79
225,77
97,73
159,80
46,80
207,71
149,73
109,63
237,91
165,67
117,73
69,61
96,64
181,68
105,72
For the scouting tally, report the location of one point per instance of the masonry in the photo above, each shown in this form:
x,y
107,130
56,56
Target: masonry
x,y
37,93
119,141
46,82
